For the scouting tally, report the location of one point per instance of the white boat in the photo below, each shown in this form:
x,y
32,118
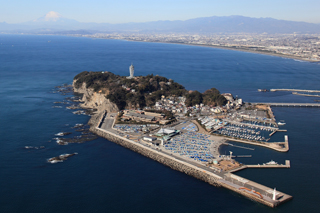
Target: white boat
x,y
271,163
281,124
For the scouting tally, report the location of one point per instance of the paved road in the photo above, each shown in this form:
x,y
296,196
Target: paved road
x,y
107,123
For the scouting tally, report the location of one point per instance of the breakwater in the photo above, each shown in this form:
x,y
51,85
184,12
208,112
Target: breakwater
x,y
294,90
206,174
291,104
303,94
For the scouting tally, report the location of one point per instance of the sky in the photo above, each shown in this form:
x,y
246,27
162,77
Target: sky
x,y
124,11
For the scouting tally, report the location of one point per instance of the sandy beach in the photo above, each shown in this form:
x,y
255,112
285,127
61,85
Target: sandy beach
x,y
247,50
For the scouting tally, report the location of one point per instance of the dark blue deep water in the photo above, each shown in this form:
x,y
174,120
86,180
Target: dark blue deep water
x,y
105,177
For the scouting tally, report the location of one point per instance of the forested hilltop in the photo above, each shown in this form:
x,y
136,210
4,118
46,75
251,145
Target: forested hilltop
x,y
142,91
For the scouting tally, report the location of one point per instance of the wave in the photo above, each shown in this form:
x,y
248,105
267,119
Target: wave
x,y
55,161
59,134
299,60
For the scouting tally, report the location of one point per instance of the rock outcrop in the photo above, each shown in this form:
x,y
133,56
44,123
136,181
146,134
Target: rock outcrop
x,y
94,100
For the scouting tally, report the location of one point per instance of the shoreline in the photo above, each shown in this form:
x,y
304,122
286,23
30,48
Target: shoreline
x,y
200,45
232,48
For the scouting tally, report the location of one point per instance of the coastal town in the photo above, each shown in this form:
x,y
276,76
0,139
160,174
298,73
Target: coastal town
x,y
184,132
298,46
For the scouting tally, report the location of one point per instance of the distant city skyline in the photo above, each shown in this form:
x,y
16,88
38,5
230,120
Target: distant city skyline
x,y
124,11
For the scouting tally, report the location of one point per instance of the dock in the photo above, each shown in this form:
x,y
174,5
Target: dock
x,y
278,146
261,166
243,147
272,133
286,165
277,130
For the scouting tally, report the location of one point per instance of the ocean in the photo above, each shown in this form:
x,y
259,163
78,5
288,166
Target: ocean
x,y
105,177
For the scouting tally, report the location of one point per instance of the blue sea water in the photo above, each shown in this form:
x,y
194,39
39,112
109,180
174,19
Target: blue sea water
x,y
105,177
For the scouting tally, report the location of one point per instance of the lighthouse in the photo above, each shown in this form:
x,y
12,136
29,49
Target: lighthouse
x,y
131,70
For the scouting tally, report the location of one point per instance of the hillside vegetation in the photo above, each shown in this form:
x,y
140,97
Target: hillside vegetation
x,y
142,91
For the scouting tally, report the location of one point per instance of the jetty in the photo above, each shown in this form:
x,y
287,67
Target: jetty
x,y
102,126
253,190
291,104
286,165
278,146
295,90
304,94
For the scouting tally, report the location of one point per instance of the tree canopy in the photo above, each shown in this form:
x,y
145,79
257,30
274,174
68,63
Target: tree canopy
x,y
142,91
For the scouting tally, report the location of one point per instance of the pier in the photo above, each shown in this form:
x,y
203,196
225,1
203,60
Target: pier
x,y
277,130
278,146
253,125
286,165
291,104
261,166
230,144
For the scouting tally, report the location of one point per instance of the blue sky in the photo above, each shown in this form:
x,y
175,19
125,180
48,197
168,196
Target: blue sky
x,y
123,11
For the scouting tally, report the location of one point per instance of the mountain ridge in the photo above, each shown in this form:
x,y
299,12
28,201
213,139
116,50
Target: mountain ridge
x,y
53,22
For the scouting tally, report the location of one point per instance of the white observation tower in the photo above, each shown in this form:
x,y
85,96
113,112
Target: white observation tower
x,y
131,69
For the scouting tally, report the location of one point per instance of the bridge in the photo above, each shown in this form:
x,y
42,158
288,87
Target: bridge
x,y
291,104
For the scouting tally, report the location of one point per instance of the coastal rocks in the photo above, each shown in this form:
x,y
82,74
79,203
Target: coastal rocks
x,y
95,100
34,147
78,125
87,136
64,89
73,106
79,112
60,158
63,133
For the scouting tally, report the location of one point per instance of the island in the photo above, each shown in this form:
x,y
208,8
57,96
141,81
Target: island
x,y
182,129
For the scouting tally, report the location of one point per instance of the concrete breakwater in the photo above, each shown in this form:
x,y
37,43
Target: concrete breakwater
x,y
303,94
295,90
224,179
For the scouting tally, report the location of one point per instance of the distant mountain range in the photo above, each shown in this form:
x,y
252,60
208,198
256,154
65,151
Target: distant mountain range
x,y
54,23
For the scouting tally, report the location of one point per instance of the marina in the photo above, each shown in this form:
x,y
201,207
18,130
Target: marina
x,y
198,151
